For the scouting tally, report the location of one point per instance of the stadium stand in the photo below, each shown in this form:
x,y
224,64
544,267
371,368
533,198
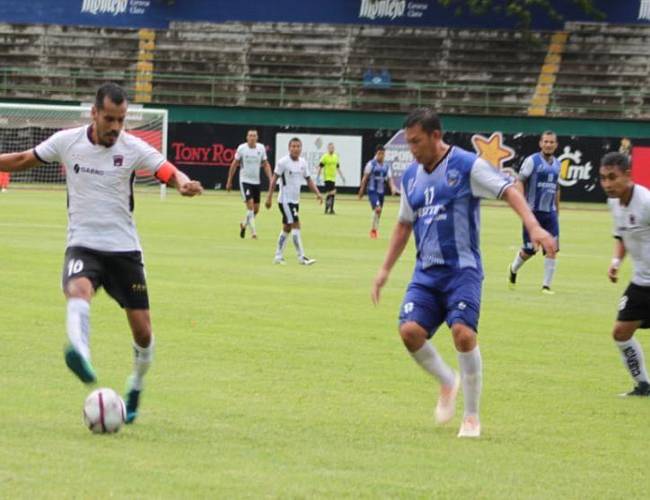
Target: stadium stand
x,y
600,69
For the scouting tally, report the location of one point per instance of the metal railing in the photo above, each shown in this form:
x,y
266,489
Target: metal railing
x,y
333,93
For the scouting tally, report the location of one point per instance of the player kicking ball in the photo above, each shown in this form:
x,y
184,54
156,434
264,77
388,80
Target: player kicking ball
x,y
291,170
376,174
440,201
630,207
103,248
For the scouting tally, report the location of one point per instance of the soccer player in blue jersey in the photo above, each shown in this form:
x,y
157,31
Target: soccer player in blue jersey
x,y
376,174
538,181
441,193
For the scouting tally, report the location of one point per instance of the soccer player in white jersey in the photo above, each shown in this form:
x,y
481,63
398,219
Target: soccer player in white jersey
x,y
630,207
103,248
250,156
440,197
291,170
538,181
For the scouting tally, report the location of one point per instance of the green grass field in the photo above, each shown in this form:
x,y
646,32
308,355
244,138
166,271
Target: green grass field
x,y
286,382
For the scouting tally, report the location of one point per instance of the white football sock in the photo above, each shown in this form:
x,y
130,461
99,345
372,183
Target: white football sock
x,y
250,220
282,243
297,242
375,221
78,325
633,359
430,361
142,358
471,375
549,271
517,263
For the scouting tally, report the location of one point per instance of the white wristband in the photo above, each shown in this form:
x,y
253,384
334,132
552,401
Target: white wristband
x,y
616,262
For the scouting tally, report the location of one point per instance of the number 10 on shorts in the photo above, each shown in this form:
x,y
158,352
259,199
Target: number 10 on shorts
x,y
75,266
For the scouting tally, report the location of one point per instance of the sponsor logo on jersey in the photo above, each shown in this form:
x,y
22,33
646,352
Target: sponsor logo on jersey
x,y
78,169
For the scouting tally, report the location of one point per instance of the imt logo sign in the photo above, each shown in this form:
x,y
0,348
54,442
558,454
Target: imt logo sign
x,y
572,171
96,7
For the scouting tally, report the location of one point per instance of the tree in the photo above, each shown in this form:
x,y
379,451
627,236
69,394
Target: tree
x,y
521,10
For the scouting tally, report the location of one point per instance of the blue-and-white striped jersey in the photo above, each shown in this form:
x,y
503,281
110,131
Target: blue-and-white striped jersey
x,y
540,178
378,174
443,207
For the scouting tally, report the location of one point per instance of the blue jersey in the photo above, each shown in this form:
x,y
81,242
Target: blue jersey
x,y
378,174
443,207
540,178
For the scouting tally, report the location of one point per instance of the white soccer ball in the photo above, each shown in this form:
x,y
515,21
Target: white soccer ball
x,y
104,411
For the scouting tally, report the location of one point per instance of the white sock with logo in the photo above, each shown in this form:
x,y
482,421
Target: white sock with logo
x,y
250,220
78,325
431,362
142,358
549,271
517,263
282,243
471,375
297,242
375,221
633,359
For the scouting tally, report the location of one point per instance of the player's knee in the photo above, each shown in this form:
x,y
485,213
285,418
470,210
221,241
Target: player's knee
x,y
79,288
464,337
622,333
412,336
378,210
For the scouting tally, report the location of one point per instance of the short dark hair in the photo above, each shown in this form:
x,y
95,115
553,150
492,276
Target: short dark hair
x,y
113,91
616,159
548,132
294,139
379,148
425,117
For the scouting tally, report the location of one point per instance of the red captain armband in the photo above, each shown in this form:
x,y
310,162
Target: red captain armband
x,y
166,172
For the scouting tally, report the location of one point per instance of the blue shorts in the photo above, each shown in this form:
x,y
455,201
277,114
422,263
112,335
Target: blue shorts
x,y
548,220
457,300
375,199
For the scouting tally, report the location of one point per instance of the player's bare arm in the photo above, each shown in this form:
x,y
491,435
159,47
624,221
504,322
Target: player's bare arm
x,y
16,162
338,169
617,258
392,187
184,185
538,236
362,187
314,189
269,197
268,171
557,200
398,242
231,173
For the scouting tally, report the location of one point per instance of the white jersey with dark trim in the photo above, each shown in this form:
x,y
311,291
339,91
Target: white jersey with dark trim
x,y
100,186
632,226
291,173
251,160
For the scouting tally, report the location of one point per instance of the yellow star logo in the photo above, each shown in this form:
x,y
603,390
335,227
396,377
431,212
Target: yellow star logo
x,y
493,150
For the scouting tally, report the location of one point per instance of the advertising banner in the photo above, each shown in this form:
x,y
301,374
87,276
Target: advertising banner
x,y
205,151
423,13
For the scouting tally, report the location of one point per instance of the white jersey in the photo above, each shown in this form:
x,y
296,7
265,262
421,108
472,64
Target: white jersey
x,y
100,186
291,173
632,225
251,160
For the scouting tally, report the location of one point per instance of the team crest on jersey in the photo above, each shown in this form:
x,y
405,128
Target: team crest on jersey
x,y
118,160
453,177
632,219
